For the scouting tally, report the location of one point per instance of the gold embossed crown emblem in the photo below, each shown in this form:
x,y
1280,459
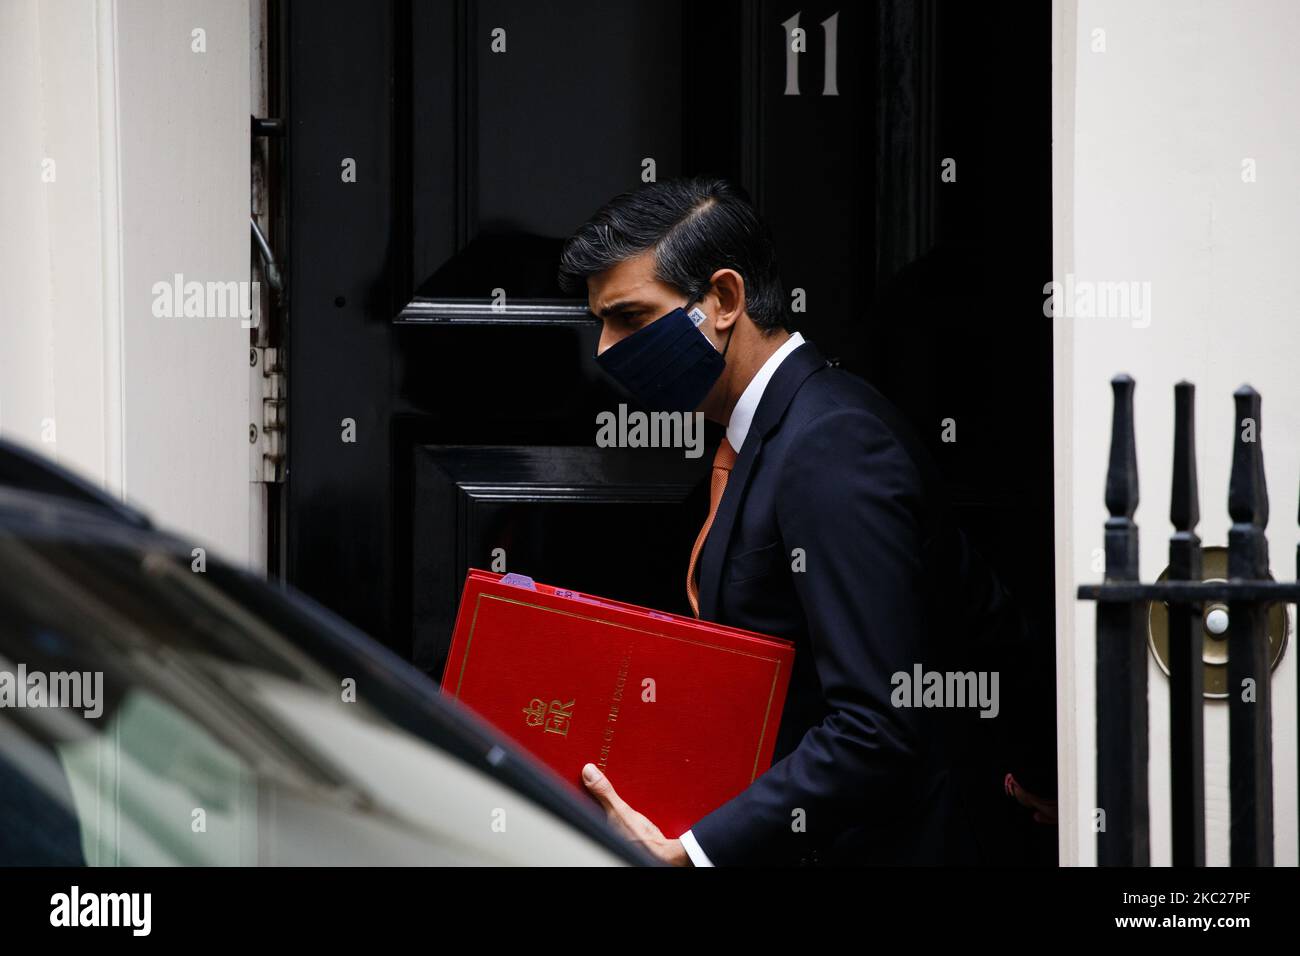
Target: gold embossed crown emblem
x,y
554,719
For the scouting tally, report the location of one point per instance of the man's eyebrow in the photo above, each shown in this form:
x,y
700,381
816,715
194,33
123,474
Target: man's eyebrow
x,y
620,306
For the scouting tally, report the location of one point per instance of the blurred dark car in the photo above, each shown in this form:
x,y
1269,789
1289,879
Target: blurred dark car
x,y
235,722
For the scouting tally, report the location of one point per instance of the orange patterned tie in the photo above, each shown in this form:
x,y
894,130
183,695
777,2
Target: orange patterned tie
x,y
722,462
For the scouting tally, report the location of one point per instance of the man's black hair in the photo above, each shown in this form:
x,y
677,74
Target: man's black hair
x,y
695,226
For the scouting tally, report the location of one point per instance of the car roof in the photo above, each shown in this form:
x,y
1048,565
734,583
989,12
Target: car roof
x,y
23,470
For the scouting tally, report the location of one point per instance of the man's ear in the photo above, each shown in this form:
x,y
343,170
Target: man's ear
x,y
729,288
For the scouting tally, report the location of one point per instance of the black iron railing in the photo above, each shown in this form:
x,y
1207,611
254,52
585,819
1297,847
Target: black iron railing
x,y
1123,823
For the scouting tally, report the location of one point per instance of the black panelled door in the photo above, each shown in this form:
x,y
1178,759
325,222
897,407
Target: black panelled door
x,y
442,392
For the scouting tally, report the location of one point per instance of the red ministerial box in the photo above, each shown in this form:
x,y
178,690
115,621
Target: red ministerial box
x,y
681,714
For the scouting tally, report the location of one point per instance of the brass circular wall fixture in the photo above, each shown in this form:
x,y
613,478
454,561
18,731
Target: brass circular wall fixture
x,y
1214,627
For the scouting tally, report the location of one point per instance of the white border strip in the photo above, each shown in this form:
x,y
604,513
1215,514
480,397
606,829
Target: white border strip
x,y
111,245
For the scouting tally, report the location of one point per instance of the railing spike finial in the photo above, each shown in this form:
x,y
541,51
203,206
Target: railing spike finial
x,y
1122,743
1247,492
1186,637
1250,722
1121,474
1184,499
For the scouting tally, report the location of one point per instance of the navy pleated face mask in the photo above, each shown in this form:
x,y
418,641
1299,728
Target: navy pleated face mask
x,y
669,365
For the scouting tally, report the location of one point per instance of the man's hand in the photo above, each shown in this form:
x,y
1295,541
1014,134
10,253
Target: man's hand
x,y
635,826
1044,810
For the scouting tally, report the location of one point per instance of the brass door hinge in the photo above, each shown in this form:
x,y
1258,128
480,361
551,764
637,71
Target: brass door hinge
x,y
266,408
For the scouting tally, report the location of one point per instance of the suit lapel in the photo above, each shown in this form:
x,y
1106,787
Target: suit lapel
x,y
780,390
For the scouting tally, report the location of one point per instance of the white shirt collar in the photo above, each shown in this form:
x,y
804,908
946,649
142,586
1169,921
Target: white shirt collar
x,y
743,414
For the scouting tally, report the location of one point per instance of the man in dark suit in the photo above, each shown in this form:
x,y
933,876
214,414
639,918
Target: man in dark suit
x,y
827,526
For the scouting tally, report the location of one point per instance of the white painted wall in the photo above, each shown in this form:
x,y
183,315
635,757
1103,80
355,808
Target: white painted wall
x,y
1149,140
150,142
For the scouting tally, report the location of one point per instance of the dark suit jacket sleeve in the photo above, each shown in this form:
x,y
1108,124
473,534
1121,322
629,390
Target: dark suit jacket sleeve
x,y
849,498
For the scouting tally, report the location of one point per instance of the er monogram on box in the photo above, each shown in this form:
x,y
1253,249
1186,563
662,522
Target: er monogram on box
x,y
681,714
